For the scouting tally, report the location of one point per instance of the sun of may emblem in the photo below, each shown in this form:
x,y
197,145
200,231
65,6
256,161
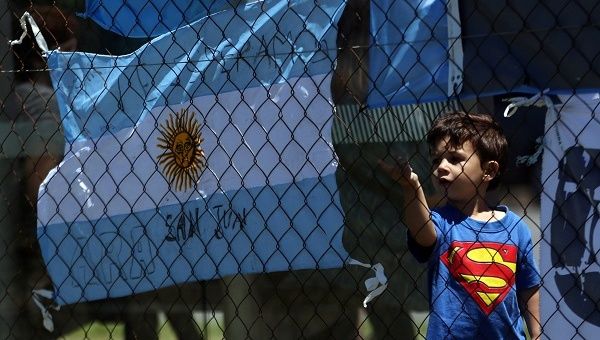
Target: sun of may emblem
x,y
183,158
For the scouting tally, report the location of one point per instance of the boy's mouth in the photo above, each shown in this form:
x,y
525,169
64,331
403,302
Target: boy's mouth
x,y
444,182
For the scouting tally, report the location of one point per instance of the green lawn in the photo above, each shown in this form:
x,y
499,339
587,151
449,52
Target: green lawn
x,y
103,331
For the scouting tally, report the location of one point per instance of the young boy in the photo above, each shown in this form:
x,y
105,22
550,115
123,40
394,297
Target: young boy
x,y
482,275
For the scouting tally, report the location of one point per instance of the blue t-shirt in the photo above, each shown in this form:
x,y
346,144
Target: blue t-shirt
x,y
475,271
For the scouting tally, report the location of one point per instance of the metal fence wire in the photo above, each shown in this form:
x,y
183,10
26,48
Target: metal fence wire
x,y
544,54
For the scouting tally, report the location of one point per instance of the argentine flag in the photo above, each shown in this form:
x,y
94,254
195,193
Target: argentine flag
x,y
205,153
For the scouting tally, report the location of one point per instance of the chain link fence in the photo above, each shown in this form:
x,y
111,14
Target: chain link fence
x,y
548,46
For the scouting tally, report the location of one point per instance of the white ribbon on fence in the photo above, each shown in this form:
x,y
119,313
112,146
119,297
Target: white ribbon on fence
x,y
37,295
375,285
35,29
538,100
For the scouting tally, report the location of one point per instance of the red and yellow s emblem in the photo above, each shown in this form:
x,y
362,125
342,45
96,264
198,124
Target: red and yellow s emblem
x,y
485,269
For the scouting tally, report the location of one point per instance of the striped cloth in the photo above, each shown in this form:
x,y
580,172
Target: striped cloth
x,y
356,124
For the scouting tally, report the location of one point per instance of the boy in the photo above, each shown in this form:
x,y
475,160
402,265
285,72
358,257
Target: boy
x,y
482,276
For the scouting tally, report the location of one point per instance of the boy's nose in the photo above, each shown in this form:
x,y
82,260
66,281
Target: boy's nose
x,y
442,168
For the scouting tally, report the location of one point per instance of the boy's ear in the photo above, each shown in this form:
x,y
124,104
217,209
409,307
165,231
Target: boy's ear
x,y
490,170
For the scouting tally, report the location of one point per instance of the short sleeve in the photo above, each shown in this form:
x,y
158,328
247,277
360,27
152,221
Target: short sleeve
x,y
421,254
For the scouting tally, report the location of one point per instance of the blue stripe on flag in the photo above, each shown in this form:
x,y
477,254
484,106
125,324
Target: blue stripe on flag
x,y
262,229
227,120
265,43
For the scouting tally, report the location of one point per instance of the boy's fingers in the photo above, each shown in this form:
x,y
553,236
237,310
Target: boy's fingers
x,y
400,171
399,160
383,164
387,168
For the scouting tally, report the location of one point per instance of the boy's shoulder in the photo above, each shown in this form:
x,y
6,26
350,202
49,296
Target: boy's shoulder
x,y
511,216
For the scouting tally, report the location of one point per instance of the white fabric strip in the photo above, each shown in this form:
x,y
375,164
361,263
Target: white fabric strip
x,y
539,100
37,34
375,285
37,294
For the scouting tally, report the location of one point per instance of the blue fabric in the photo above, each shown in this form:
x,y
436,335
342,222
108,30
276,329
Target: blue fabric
x,y
410,54
455,313
118,216
408,59
149,18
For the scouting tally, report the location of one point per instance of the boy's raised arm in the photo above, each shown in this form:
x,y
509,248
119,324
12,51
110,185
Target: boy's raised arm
x,y
416,214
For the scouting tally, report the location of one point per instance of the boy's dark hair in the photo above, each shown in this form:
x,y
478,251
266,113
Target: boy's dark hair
x,y
480,129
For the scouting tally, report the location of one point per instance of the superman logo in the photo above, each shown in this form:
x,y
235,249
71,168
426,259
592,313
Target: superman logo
x,y
486,270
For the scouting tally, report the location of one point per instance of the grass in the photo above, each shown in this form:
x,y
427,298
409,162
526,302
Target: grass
x,y
97,330
213,328
103,331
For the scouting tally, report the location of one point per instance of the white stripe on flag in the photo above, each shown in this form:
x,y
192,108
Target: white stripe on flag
x,y
265,139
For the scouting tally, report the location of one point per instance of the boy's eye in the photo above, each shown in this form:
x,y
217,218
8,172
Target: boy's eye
x,y
455,159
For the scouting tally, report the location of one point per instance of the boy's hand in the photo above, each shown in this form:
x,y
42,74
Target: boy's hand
x,y
416,216
400,172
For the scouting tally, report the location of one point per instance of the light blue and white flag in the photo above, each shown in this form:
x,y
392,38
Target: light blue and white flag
x,y
149,18
416,52
205,153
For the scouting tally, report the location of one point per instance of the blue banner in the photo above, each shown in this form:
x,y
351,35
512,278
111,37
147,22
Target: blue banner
x,y
423,51
409,58
149,18
205,153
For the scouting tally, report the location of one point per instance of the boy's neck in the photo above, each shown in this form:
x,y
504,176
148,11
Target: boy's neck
x,y
477,209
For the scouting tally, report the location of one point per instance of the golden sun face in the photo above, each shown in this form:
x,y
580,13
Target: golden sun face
x,y
183,158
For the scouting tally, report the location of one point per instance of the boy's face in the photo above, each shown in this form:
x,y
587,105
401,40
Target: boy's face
x,y
458,171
